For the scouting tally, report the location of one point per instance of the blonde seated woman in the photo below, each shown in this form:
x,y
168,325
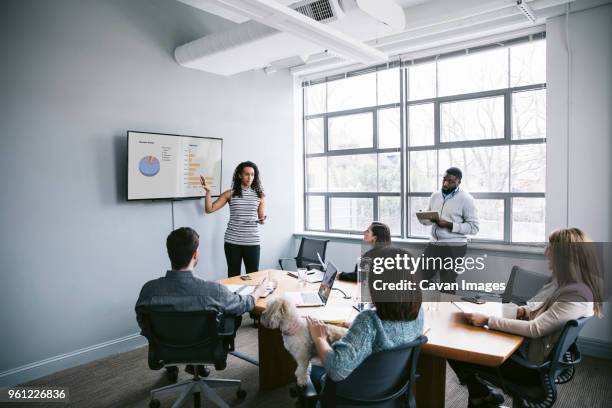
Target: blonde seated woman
x,y
578,294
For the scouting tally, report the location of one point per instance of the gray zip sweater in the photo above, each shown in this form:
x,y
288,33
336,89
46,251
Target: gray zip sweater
x,y
458,208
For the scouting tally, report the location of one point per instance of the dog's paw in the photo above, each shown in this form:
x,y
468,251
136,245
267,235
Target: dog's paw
x,y
302,380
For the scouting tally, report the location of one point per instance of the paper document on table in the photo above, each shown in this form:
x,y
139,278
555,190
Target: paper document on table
x,y
489,308
331,315
241,289
467,307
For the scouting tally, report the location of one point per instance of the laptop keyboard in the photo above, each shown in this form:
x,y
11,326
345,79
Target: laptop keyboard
x,y
310,298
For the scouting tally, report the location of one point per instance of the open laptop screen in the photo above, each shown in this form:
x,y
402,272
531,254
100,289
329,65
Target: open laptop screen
x,y
328,281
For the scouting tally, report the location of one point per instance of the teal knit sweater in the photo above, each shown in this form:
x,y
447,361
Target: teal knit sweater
x,y
368,334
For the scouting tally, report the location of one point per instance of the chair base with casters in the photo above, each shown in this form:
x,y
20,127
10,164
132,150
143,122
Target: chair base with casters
x,y
196,387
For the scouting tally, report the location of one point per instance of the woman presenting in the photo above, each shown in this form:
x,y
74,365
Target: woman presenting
x,y
247,209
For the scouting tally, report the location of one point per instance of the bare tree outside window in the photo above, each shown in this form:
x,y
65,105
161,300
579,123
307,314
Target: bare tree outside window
x,y
369,155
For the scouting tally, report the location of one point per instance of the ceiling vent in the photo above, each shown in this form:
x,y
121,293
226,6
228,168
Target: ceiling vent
x,y
319,10
285,33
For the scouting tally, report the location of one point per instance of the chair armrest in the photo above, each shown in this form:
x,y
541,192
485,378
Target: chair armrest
x,y
280,261
520,360
314,266
227,327
391,397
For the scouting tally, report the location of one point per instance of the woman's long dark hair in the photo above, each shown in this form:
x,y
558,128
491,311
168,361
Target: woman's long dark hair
x,y
237,183
394,304
382,233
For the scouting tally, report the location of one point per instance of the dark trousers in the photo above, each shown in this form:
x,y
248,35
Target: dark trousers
x,y
235,254
443,252
470,375
316,376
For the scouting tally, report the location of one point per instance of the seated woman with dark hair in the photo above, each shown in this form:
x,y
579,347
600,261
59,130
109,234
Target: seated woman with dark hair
x,y
397,320
574,267
377,235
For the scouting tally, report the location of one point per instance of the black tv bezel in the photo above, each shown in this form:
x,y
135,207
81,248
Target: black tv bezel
x,y
127,161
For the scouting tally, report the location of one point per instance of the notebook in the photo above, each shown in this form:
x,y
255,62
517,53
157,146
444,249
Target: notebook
x,y
241,289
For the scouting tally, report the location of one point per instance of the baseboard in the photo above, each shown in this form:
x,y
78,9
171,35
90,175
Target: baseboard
x,y
38,369
595,348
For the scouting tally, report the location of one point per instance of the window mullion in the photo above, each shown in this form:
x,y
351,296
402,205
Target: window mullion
x,y
403,163
508,219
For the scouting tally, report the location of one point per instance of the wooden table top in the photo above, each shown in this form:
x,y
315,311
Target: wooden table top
x,y
450,336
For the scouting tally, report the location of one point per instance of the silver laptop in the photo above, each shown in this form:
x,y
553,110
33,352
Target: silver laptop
x,y
314,299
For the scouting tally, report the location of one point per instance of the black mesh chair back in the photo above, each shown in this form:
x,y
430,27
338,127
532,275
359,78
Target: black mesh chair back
x,y
566,353
307,254
544,393
309,248
186,338
523,285
383,380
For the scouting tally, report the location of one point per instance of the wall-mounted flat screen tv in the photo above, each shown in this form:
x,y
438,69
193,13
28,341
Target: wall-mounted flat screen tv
x,y
165,166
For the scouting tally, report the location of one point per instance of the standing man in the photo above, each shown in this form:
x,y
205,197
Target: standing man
x,y
181,290
457,218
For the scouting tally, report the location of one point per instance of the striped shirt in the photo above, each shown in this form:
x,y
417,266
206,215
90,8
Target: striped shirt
x,y
242,226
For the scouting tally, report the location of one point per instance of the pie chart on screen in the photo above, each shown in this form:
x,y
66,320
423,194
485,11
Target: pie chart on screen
x,y
148,166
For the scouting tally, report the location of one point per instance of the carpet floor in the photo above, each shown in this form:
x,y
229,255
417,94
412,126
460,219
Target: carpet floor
x,y
124,380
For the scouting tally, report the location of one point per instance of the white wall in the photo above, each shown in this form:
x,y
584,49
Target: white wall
x,y
578,191
578,187
74,76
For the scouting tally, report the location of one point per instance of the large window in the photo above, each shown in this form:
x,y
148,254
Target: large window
x,y
377,143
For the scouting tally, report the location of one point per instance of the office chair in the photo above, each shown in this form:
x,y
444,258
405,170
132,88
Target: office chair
x,y
307,254
383,380
197,338
543,393
523,285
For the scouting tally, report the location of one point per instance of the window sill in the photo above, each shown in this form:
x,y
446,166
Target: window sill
x,y
531,249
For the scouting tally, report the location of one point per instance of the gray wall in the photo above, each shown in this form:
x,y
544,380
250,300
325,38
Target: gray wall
x,y
74,76
574,180
578,188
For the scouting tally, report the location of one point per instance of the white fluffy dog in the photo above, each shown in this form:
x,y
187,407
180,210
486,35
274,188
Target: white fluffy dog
x,y
281,314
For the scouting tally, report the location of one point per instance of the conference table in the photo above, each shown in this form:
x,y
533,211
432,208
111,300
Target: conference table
x,y
449,337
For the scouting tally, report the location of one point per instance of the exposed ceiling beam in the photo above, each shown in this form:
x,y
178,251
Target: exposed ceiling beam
x,y
287,20
427,28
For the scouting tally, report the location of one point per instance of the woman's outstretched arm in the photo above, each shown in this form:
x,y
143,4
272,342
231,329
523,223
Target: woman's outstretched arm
x,y
209,205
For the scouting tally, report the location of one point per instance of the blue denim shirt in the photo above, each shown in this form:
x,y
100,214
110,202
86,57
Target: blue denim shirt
x,y
182,291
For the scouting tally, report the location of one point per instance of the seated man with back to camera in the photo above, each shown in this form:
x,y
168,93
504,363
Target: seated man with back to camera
x,y
181,290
